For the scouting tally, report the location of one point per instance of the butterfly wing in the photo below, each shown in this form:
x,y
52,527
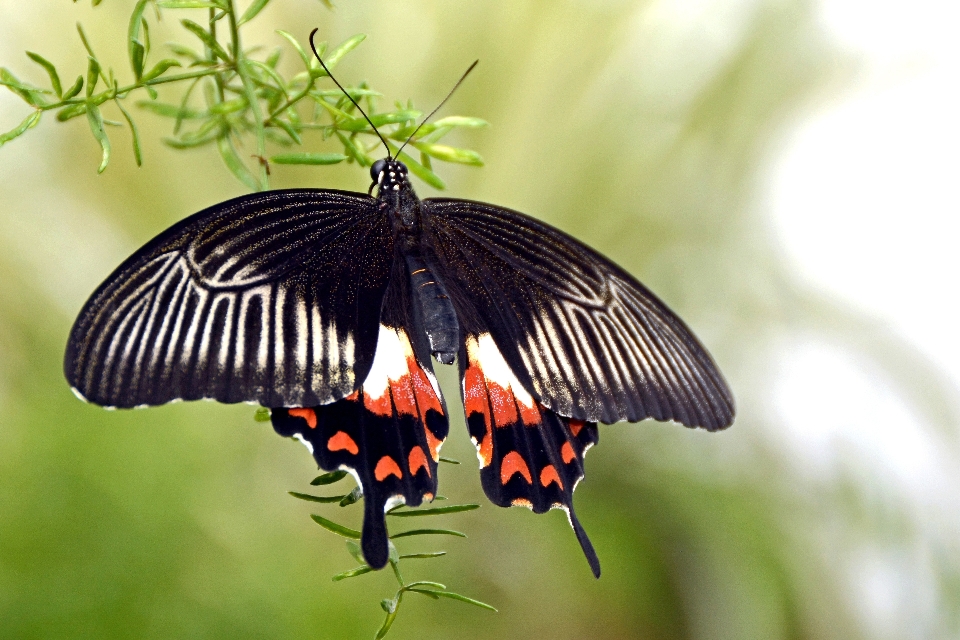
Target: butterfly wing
x,y
584,337
250,300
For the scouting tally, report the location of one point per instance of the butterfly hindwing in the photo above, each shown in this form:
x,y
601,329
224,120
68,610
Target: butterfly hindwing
x,y
249,300
388,433
585,337
529,455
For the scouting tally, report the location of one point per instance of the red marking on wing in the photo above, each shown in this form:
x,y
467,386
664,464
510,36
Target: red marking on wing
x,y
475,394
340,441
433,443
428,497
486,448
529,415
416,460
387,466
522,502
575,426
353,397
513,463
504,405
307,414
549,474
379,405
567,453
403,396
426,395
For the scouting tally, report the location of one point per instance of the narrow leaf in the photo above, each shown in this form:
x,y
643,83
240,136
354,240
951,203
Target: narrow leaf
x,y
75,89
450,154
349,45
71,111
422,172
425,532
308,158
235,165
386,625
137,156
329,478
206,38
352,573
160,68
51,71
95,118
426,592
460,121
449,460
457,596
171,111
28,123
187,4
296,45
262,414
133,27
352,497
136,59
255,7
423,556
354,550
294,135
338,529
424,583
310,498
93,73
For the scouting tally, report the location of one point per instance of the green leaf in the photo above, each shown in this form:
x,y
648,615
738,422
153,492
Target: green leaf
x,y
93,73
133,132
423,556
235,165
450,154
460,121
95,118
348,45
389,604
262,414
308,158
354,151
434,511
185,51
171,111
296,45
423,583
160,68
295,136
457,596
386,625
426,592
28,123
352,573
354,550
133,27
136,59
75,89
229,106
188,4
71,111
51,71
422,172
352,497
329,478
427,532
255,7
310,498
31,95
449,460
206,38
338,529
379,120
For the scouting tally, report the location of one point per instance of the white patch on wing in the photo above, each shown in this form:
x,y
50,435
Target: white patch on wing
x,y
483,351
305,442
78,394
389,361
394,501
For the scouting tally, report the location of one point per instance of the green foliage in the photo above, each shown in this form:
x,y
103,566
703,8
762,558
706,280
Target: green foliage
x,y
244,98
391,606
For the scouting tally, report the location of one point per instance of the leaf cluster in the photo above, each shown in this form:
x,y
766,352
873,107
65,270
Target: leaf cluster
x,y
234,98
391,606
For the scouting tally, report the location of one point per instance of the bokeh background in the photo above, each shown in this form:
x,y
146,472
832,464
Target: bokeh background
x,y
781,172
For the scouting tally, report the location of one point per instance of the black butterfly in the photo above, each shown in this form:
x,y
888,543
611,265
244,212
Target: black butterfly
x,y
326,306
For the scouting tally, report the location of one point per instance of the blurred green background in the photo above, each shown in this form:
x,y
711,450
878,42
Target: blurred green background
x,y
644,129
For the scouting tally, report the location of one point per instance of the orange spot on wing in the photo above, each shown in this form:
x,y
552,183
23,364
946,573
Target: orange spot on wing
x,y
549,474
428,497
522,502
504,405
353,396
575,426
340,441
529,415
403,398
381,406
567,453
426,396
416,460
433,442
387,466
486,448
475,394
307,414
513,463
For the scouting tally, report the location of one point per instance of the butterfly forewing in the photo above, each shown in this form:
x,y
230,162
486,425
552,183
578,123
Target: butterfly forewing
x,y
250,300
587,340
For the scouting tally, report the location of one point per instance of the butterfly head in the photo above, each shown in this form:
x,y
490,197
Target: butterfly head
x,y
389,175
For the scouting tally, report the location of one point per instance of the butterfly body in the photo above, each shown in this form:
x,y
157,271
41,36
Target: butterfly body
x,y
326,306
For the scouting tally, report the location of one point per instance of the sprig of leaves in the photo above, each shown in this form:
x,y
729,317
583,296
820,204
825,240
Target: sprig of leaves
x,y
236,99
391,606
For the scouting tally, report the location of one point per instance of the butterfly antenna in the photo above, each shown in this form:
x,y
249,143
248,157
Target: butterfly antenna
x,y
442,102
359,108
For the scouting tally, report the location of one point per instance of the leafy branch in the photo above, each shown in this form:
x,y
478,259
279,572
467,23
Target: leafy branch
x,y
430,589
244,98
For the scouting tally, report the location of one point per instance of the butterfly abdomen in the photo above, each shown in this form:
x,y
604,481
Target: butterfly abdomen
x,y
434,310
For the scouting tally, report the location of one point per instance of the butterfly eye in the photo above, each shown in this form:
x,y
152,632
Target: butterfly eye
x,y
377,168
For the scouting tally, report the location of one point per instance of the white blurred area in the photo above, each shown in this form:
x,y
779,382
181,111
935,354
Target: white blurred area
x,y
865,201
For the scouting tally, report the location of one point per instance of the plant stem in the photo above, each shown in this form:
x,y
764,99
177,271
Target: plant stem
x,y
251,94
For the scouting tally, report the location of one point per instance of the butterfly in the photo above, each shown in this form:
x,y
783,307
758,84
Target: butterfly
x,y
328,307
